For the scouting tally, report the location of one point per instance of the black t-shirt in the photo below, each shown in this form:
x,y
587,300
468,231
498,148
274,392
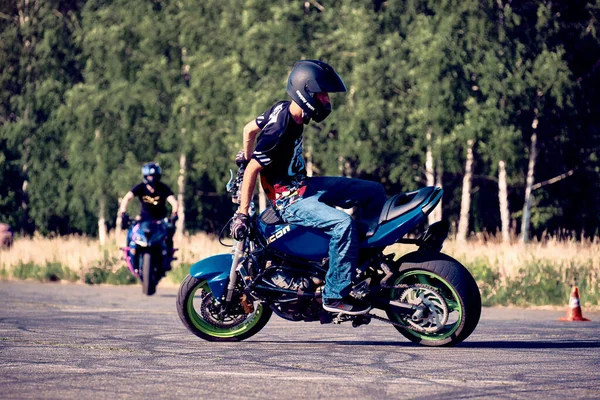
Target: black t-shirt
x,y
154,205
279,151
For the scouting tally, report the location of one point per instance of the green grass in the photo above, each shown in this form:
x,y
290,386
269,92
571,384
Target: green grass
x,y
50,272
98,275
109,270
103,272
539,282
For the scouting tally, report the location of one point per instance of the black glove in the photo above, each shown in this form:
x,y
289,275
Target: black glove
x,y
173,219
125,221
240,159
239,226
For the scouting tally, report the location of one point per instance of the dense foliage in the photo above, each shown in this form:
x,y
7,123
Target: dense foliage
x,y
91,90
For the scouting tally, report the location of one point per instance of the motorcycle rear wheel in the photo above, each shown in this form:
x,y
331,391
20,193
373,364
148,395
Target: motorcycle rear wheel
x,y
197,311
148,275
441,277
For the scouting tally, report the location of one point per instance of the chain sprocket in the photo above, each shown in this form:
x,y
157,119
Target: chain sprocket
x,y
434,316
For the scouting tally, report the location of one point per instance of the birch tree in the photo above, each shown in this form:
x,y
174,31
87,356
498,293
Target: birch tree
x,y
465,203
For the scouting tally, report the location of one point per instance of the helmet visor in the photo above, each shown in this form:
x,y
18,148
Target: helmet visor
x,y
330,83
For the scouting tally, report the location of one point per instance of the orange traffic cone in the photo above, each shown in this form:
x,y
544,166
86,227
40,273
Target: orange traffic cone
x,y
574,312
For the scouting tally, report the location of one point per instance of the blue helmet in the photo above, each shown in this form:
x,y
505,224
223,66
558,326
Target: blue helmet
x,y
151,173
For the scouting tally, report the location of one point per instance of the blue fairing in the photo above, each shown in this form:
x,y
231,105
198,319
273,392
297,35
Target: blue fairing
x,y
215,270
306,243
313,244
390,232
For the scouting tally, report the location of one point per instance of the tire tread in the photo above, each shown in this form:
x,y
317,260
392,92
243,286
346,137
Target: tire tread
x,y
456,275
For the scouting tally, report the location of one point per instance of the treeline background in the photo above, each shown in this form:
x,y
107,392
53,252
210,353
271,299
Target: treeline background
x,y
470,95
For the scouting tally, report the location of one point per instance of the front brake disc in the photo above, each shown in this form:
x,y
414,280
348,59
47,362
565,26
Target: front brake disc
x,y
210,313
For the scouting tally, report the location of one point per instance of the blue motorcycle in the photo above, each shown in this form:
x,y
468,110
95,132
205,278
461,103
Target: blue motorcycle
x,y
429,297
148,252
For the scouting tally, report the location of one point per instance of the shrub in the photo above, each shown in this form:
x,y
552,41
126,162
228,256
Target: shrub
x,y
487,279
25,270
96,276
538,282
54,271
51,272
122,276
104,272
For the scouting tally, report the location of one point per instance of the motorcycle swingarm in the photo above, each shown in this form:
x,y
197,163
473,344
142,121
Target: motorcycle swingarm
x,y
397,307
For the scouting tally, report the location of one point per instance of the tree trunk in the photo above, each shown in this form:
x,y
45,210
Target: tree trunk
x,y
529,183
345,167
101,177
439,174
465,203
24,198
181,179
309,163
429,173
180,224
118,227
102,220
503,199
27,16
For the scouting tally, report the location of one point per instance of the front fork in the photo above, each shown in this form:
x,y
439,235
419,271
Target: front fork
x,y
238,252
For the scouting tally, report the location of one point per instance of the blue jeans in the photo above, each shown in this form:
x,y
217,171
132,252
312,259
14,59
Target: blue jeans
x,y
317,210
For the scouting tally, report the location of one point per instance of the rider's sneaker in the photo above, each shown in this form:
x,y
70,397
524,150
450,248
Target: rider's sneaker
x,y
349,305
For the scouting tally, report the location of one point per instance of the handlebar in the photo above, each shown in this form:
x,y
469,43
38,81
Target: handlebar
x,y
234,185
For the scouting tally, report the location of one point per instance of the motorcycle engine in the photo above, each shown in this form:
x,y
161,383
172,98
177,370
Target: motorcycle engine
x,y
282,278
292,306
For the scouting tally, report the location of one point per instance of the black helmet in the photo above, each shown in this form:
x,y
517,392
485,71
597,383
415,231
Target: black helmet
x,y
151,173
309,77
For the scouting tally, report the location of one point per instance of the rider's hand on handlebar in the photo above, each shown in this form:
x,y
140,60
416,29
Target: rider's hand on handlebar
x,y
173,218
239,226
125,220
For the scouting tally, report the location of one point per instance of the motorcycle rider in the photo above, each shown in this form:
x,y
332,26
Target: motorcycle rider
x,y
306,201
153,195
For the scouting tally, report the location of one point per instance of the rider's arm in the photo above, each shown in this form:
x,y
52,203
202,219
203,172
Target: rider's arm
x,y
250,131
174,204
126,199
248,184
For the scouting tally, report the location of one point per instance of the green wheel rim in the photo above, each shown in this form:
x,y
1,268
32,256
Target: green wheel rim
x,y
212,330
448,293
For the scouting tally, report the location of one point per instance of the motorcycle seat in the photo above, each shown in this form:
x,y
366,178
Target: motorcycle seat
x,y
404,202
394,207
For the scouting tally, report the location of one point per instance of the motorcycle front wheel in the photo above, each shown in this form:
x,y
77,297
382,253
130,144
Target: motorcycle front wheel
x,y
449,292
201,314
148,275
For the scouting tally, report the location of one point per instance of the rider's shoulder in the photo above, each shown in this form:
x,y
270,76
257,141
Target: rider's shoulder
x,y
277,120
140,186
164,187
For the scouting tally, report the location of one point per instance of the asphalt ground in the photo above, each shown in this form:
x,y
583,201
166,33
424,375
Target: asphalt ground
x,y
64,341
